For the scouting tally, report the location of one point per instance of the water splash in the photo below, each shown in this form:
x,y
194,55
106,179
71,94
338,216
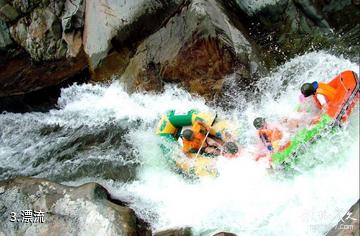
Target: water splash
x,y
100,133
245,199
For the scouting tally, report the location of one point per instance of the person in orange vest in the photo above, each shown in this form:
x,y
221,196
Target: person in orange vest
x,y
194,139
329,96
321,92
269,136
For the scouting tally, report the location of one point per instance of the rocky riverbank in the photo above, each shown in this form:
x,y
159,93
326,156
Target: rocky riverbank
x,y
143,43
39,207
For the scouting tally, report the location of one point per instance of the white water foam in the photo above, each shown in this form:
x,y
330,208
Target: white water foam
x,y
245,199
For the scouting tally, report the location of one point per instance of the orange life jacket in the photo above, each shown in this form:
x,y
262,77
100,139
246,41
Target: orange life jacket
x,y
327,91
194,145
268,136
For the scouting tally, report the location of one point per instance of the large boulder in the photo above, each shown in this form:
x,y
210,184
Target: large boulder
x,y
40,44
198,47
175,232
38,207
50,31
108,21
40,34
20,75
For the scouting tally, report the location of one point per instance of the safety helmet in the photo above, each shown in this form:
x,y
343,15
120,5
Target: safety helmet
x,y
308,89
259,122
231,147
188,134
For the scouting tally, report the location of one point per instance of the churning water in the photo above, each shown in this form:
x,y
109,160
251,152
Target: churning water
x,y
100,133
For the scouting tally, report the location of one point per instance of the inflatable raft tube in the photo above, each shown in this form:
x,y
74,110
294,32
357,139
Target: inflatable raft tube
x,y
346,94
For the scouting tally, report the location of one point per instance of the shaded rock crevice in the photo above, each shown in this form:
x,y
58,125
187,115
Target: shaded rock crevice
x,y
21,75
41,100
286,28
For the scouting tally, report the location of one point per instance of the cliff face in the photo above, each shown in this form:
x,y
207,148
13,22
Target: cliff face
x,y
145,43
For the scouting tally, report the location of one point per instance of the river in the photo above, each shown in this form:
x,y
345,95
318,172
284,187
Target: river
x,y
101,133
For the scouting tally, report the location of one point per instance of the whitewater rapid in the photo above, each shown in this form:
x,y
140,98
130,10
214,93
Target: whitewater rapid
x,y
100,133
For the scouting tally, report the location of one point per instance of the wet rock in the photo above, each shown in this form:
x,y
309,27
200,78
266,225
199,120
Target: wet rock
x,y
224,234
309,9
284,28
5,39
73,15
113,66
41,47
7,11
280,10
144,43
349,223
64,210
175,232
26,6
47,29
20,75
341,15
72,22
40,34
41,100
251,9
122,20
197,48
